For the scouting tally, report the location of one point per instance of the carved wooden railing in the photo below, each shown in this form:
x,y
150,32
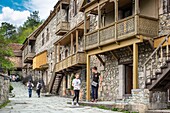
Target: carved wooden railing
x,y
78,58
156,60
125,28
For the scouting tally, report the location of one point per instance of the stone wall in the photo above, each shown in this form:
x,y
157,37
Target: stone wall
x,y
164,17
4,88
113,83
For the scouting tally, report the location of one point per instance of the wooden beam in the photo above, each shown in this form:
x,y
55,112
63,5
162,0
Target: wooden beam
x,y
77,41
135,66
114,56
88,78
100,59
72,43
114,46
130,49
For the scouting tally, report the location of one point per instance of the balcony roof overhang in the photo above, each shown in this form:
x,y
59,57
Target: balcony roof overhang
x,y
67,37
28,60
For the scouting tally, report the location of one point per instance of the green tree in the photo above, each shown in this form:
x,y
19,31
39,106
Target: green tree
x,y
33,20
5,51
31,24
8,31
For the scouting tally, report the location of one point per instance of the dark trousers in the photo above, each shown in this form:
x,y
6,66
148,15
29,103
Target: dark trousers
x,y
30,92
94,92
76,95
38,92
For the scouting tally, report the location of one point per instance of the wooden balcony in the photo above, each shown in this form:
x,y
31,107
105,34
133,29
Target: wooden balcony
x,y
121,30
28,55
75,60
62,28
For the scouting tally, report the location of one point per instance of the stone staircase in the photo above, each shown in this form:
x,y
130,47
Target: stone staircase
x,y
157,68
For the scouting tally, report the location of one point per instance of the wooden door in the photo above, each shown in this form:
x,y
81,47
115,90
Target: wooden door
x,y
128,78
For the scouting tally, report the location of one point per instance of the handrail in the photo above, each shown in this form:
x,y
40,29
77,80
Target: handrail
x,y
151,56
165,39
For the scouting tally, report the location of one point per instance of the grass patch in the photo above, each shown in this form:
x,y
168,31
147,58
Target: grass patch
x,y
4,104
103,107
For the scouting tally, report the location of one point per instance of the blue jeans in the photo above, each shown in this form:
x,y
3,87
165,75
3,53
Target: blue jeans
x,y
30,92
95,92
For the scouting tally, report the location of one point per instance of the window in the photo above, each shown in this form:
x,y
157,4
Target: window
x,y
42,39
74,7
47,37
168,6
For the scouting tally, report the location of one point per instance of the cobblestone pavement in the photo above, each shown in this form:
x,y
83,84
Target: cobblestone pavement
x,y
22,104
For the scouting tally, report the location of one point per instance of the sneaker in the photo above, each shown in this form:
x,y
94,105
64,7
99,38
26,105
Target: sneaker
x,y
72,103
77,104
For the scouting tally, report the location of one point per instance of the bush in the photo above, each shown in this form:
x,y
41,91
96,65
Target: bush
x,y
10,88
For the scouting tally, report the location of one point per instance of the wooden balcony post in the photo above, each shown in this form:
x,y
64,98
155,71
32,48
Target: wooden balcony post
x,y
71,43
55,53
77,41
88,77
99,22
135,66
85,29
116,17
136,7
58,52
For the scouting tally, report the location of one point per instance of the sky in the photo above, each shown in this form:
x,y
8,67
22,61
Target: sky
x,y
17,11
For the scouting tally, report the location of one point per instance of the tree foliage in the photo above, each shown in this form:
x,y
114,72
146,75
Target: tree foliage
x,y
11,34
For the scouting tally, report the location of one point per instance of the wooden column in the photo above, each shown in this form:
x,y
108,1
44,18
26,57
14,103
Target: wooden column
x,y
58,52
71,43
136,7
77,41
135,66
98,23
85,29
55,53
88,78
116,17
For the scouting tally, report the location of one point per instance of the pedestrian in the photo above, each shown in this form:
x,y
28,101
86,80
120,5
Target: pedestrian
x,y
30,85
76,85
38,89
96,81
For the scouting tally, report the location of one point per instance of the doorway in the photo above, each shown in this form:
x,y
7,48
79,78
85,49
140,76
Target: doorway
x,y
128,78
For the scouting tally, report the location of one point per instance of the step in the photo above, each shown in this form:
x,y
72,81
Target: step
x,y
168,61
158,72
154,77
164,66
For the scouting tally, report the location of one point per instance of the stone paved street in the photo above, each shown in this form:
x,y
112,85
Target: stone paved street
x,y
22,104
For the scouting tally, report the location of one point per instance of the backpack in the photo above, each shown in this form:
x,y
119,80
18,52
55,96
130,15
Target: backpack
x,y
39,86
30,85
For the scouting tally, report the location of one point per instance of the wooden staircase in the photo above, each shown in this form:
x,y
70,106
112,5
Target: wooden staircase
x,y
55,82
157,68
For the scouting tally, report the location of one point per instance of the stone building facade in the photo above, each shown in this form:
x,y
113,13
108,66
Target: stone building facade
x,y
117,38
